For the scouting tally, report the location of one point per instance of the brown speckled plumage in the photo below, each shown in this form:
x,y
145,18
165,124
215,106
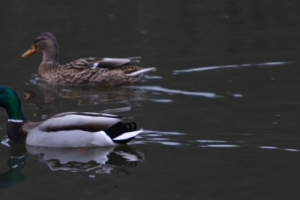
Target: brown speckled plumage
x,y
102,71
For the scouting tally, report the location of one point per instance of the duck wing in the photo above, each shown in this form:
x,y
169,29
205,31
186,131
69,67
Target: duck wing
x,y
85,121
97,63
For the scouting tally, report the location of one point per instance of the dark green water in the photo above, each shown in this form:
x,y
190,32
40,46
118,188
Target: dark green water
x,y
221,113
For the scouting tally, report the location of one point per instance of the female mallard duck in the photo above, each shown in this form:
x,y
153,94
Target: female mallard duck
x,y
66,129
104,71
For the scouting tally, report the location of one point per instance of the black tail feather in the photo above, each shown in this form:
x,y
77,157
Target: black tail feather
x,y
131,126
120,128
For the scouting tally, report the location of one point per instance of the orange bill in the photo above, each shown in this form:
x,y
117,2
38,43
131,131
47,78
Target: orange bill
x,y
29,52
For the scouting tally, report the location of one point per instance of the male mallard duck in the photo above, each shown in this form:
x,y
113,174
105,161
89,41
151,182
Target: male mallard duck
x,y
69,129
104,71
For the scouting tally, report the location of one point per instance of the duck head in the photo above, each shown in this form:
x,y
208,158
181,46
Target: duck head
x,y
47,44
9,100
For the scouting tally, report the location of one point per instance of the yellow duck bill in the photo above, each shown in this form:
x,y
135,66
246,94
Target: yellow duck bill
x,y
29,52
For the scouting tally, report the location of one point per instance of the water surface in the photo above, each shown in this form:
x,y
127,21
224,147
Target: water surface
x,y
220,113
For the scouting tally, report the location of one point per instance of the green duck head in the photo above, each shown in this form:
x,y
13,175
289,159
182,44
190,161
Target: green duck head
x,y
10,101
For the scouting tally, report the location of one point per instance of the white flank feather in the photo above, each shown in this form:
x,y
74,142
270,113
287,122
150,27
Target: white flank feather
x,y
95,65
68,138
128,135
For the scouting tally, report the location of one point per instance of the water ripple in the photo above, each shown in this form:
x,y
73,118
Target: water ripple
x,y
208,68
174,139
292,150
267,147
241,144
172,91
221,145
157,137
152,77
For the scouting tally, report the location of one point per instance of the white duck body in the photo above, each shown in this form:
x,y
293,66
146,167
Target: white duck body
x,y
77,130
69,131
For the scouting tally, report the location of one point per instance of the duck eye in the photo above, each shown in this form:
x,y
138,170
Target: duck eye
x,y
38,40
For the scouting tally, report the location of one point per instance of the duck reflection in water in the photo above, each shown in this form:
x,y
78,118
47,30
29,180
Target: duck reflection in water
x,y
87,94
120,97
15,163
104,160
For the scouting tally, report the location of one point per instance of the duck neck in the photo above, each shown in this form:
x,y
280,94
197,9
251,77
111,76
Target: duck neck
x,y
50,56
15,122
16,132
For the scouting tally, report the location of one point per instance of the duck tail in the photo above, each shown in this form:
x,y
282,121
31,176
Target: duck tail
x,y
142,71
134,60
121,133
